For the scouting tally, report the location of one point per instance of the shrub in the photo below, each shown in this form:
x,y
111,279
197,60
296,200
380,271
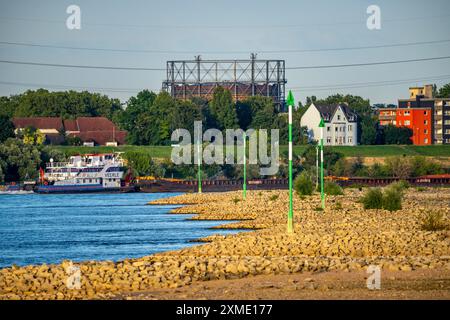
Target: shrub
x,y
373,199
332,188
400,186
338,206
392,198
433,221
236,200
421,189
303,184
273,197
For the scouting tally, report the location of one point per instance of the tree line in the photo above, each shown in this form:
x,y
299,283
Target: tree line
x,y
150,117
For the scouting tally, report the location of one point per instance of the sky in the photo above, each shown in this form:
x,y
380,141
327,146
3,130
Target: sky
x,y
139,30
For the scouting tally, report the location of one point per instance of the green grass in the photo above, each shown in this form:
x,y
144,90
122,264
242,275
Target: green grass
x,y
362,151
153,151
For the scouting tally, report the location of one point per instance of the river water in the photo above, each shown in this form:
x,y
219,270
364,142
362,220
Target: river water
x,y
36,229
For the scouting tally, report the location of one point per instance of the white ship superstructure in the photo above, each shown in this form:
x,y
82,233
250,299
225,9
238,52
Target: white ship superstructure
x,y
101,170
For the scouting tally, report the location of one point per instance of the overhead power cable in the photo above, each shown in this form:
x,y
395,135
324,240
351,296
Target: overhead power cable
x,y
392,45
162,69
296,88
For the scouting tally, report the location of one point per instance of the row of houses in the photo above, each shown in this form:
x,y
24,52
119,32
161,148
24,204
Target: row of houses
x,y
90,130
427,116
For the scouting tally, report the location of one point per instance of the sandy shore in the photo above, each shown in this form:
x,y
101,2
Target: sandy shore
x,y
332,246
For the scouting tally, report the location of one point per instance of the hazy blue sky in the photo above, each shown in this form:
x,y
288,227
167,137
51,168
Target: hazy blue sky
x,y
222,26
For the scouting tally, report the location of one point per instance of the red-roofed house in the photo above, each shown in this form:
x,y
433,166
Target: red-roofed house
x,y
97,130
50,126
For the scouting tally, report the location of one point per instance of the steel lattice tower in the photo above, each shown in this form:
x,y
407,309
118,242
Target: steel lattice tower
x,y
244,78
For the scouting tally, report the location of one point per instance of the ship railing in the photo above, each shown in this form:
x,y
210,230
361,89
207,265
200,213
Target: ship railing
x,y
57,164
82,164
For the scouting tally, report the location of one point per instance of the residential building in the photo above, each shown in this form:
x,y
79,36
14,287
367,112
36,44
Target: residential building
x,y
91,130
340,124
425,92
51,127
418,116
427,116
442,121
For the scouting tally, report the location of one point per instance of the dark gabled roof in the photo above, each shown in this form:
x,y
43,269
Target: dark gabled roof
x,y
38,122
327,111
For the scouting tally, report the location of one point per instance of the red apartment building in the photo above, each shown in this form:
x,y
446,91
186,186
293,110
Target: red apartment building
x,y
419,120
415,113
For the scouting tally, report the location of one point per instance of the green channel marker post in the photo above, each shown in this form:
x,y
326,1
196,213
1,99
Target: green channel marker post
x,y
290,103
199,160
317,167
322,194
244,186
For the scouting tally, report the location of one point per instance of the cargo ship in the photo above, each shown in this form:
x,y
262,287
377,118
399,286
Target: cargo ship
x,y
85,173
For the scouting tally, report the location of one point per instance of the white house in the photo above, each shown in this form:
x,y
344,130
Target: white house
x,y
340,124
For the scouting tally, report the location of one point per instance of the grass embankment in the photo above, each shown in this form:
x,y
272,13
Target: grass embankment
x,y
362,151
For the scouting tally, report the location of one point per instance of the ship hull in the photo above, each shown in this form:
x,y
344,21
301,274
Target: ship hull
x,y
47,189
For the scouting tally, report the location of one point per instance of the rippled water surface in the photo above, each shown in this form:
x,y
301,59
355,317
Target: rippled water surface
x,y
37,229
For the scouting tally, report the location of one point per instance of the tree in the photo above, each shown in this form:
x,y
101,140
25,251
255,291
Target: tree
x,y
65,104
19,161
31,135
6,128
397,135
142,164
223,109
368,130
330,157
185,113
135,106
444,91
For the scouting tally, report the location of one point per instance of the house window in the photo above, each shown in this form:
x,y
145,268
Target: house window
x,y
425,112
350,139
406,113
425,140
425,122
349,127
425,131
328,139
407,122
328,129
339,117
336,129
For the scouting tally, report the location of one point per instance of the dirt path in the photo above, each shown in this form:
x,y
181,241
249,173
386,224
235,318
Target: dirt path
x,y
418,284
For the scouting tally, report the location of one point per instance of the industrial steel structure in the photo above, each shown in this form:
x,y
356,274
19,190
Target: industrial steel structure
x,y
244,78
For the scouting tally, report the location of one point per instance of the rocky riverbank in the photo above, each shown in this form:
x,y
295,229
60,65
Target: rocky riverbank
x,y
343,237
